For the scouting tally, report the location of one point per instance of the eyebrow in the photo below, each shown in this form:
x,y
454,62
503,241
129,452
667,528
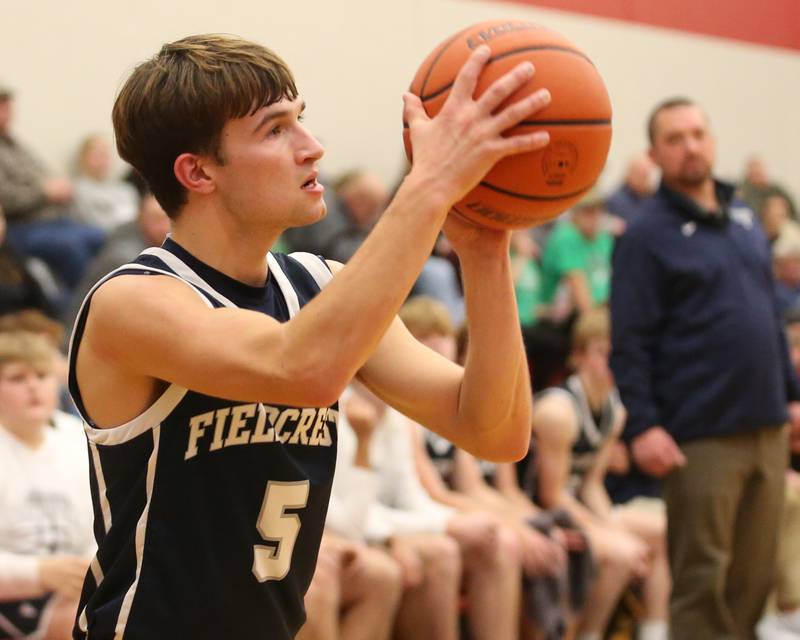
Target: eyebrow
x,y
274,115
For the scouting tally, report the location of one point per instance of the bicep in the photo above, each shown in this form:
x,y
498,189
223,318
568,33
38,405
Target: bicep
x,y
157,327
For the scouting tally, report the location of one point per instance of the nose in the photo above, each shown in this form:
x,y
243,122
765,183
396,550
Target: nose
x,y
309,149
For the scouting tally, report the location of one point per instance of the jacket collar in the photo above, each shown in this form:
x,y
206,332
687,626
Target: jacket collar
x,y
690,209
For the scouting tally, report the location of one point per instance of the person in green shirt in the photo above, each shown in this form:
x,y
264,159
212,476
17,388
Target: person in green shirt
x,y
527,277
576,264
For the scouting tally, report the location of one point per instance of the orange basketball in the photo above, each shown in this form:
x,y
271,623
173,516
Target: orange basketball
x,y
530,188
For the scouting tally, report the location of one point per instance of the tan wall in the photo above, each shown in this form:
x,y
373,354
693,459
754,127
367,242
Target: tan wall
x,y
353,59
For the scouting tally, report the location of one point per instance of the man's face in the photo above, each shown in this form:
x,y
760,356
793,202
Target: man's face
x,y
269,170
683,146
28,394
6,114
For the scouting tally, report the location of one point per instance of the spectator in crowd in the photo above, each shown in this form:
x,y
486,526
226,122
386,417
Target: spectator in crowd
x,y
377,497
124,243
24,282
575,428
354,593
527,276
35,205
363,196
576,264
34,321
640,183
702,367
456,479
776,218
786,261
757,187
45,509
101,200
784,622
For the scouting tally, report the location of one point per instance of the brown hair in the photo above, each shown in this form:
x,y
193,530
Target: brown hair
x,y
594,324
33,321
29,348
425,317
669,103
179,101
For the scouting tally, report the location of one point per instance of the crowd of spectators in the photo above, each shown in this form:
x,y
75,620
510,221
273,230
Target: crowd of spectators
x,y
422,540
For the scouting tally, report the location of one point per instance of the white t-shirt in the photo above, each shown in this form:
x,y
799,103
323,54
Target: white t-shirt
x,y
45,502
388,499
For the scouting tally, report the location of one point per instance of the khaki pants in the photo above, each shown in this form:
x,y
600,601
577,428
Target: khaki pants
x,y
787,588
723,512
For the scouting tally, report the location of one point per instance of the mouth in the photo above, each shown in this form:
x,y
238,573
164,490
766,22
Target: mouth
x,y
311,184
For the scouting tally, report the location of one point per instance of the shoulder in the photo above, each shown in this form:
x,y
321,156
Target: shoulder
x,y
554,416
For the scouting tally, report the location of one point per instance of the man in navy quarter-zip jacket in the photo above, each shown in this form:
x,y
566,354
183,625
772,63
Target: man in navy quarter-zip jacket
x,y
702,366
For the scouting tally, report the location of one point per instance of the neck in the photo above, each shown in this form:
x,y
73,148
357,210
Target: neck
x,y
596,392
30,436
238,252
704,194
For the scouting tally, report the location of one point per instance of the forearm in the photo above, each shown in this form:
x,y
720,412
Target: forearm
x,y
581,294
495,398
595,497
340,328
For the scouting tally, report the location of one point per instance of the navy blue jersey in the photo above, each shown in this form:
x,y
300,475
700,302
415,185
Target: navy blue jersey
x,y
208,511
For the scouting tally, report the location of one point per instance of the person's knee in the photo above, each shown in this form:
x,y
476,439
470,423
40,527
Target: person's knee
x,y
384,577
442,558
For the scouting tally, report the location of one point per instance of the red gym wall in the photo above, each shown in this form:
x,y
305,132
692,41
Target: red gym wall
x,y
769,22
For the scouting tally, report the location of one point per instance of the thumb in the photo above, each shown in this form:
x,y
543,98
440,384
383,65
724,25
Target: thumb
x,y
413,111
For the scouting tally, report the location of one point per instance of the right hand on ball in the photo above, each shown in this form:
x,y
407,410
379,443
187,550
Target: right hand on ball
x,y
465,139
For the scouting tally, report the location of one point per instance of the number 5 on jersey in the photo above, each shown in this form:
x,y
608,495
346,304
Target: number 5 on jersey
x,y
279,527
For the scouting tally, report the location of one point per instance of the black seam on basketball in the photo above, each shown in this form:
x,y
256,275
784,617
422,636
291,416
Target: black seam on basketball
x,y
562,123
523,196
505,54
445,46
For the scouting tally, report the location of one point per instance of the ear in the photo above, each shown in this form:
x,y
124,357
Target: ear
x,y
189,171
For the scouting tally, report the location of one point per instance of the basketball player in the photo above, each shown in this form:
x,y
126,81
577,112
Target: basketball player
x,y
575,427
208,371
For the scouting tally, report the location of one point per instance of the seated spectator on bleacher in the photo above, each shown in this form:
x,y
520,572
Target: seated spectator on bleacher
x,y
100,200
124,243
776,219
527,276
24,284
786,265
35,205
354,593
575,428
757,187
377,497
640,183
576,262
45,508
34,321
459,481
363,196
782,621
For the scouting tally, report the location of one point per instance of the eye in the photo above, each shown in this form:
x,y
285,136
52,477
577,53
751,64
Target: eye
x,y
301,117
275,131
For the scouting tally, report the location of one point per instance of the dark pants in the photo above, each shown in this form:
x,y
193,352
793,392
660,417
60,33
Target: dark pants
x,y
723,510
65,246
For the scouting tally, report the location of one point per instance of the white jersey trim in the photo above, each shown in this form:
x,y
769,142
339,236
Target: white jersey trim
x,y
141,532
315,266
153,415
105,506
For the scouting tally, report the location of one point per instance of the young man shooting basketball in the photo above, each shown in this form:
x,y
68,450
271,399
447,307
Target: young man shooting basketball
x,y
209,386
